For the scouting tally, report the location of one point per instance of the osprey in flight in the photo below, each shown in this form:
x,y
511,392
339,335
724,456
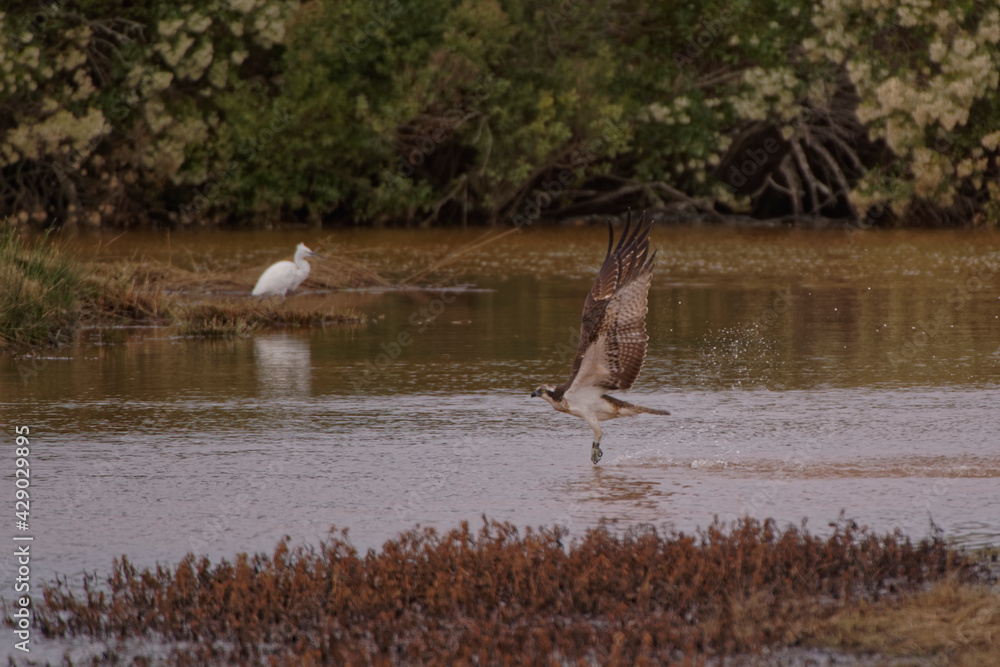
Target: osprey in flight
x,y
613,337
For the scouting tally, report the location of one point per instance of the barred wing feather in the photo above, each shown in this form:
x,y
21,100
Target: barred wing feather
x,y
613,337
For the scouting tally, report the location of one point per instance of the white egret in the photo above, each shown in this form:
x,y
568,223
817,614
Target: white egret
x,y
285,276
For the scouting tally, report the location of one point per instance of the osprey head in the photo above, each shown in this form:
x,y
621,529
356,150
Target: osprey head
x,y
545,391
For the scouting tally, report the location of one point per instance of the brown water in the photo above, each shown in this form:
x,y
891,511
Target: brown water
x,y
795,364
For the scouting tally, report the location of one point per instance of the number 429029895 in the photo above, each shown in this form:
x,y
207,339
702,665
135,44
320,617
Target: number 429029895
x,y
22,473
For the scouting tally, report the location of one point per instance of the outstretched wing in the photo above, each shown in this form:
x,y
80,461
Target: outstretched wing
x,y
613,337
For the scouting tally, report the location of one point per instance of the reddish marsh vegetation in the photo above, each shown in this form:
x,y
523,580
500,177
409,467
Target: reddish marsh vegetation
x,y
500,597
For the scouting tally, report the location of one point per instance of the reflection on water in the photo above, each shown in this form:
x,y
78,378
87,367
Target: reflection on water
x,y
616,486
805,374
283,365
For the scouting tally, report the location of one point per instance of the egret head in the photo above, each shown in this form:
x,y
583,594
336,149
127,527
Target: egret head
x,y
301,252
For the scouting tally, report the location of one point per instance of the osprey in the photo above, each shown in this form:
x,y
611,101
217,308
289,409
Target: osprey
x,y
613,337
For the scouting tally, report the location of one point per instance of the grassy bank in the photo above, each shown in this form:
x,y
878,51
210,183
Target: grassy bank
x,y
39,294
500,597
949,620
46,296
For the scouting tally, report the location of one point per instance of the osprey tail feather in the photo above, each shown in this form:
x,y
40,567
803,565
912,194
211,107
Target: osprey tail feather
x,y
648,411
630,409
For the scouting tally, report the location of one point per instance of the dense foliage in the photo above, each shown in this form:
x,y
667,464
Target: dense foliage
x,y
502,111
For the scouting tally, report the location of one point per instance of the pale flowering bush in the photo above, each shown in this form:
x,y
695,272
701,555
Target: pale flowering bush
x,y
868,103
48,111
926,74
709,80
105,112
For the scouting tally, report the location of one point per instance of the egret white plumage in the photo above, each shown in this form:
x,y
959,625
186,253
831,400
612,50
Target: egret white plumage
x,y
283,277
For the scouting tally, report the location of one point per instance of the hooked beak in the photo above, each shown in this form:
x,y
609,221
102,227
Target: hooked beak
x,y
535,394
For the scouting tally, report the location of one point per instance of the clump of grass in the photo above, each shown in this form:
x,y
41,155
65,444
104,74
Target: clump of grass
x,y
127,292
39,293
950,619
243,317
499,597
209,323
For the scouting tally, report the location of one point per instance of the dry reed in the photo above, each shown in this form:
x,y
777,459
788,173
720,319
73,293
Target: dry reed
x,y
243,317
951,619
160,293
